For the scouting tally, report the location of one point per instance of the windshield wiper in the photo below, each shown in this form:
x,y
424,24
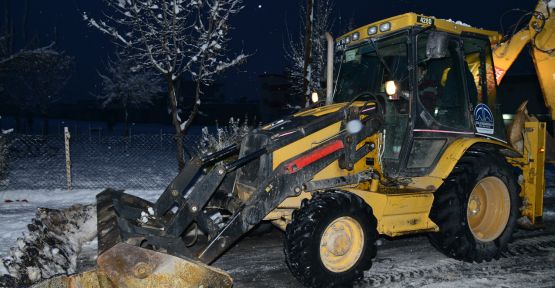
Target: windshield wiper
x,y
381,58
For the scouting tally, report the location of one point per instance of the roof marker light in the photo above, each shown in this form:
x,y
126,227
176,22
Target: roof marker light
x,y
385,27
372,30
356,36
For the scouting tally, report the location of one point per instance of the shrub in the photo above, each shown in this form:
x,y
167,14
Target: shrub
x,y
233,132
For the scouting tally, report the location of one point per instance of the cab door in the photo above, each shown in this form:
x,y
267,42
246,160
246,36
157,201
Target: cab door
x,y
441,110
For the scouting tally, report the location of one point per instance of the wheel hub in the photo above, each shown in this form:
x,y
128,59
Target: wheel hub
x,y
474,205
341,244
488,209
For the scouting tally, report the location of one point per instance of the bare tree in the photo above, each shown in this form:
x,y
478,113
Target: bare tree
x,y
32,75
307,59
306,56
174,37
125,87
34,79
3,153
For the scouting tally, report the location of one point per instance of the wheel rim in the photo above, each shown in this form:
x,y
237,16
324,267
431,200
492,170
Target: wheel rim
x,y
341,244
488,209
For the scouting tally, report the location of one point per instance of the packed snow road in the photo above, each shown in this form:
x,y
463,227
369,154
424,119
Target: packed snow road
x,y
258,261
407,262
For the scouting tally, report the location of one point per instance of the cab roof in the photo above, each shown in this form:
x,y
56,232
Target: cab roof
x,y
403,21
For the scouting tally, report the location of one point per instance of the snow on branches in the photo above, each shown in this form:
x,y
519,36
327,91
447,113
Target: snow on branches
x,y
125,87
231,133
295,53
174,37
34,78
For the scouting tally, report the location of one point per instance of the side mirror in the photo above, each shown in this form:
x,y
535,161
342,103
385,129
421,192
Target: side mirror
x,y
436,45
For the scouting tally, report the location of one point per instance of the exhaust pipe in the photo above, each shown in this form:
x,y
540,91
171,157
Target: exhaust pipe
x,y
329,76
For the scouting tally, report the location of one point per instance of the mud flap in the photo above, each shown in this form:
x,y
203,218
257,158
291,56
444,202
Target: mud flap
x,y
125,265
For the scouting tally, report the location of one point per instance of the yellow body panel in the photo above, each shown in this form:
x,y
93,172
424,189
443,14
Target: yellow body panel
x,y
505,54
455,151
545,62
314,139
400,214
397,214
289,151
333,170
532,164
408,20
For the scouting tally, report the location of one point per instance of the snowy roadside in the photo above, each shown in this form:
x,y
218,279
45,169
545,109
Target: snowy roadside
x,y
550,180
18,208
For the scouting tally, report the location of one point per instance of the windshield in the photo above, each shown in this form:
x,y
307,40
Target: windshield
x,y
362,71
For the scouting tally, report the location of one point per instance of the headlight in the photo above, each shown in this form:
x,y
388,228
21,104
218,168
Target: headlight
x,y
385,27
390,88
314,97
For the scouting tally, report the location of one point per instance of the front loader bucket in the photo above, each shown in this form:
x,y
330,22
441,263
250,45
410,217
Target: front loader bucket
x,y
125,265
122,262
131,266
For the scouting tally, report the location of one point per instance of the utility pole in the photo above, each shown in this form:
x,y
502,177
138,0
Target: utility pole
x,y
307,69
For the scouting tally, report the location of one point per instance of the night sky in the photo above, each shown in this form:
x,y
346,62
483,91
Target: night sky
x,y
260,29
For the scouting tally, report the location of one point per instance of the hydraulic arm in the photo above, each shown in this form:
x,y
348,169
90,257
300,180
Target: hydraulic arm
x,y
540,34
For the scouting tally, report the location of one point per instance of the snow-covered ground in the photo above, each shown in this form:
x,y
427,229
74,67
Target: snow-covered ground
x,y
18,208
550,180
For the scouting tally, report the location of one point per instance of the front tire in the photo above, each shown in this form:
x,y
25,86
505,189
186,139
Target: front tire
x,y
331,239
476,208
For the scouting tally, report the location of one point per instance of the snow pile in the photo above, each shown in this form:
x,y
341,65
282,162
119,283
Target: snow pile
x,y
50,246
458,22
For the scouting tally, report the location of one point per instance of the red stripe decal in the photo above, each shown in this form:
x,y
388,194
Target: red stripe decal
x,y
313,156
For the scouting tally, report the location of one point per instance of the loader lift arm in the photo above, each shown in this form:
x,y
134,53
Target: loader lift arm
x,y
129,223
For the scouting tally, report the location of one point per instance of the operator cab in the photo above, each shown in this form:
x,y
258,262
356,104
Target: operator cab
x,y
433,84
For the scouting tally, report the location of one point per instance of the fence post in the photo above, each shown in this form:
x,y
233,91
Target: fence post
x,y
68,158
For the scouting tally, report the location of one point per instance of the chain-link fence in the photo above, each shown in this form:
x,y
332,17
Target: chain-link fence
x,y
134,162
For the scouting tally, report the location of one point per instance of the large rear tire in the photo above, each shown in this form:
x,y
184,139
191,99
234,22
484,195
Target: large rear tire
x,y
331,240
476,208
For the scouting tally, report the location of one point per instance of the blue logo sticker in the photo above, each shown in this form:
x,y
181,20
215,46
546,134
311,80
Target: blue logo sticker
x,y
483,119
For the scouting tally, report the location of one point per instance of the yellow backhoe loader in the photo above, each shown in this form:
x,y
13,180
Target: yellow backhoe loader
x,y
410,140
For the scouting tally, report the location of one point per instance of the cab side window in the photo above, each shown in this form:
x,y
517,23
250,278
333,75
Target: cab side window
x,y
441,100
482,84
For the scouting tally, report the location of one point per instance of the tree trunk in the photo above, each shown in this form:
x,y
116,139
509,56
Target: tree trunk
x,y
196,106
308,48
125,122
45,125
176,123
30,122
